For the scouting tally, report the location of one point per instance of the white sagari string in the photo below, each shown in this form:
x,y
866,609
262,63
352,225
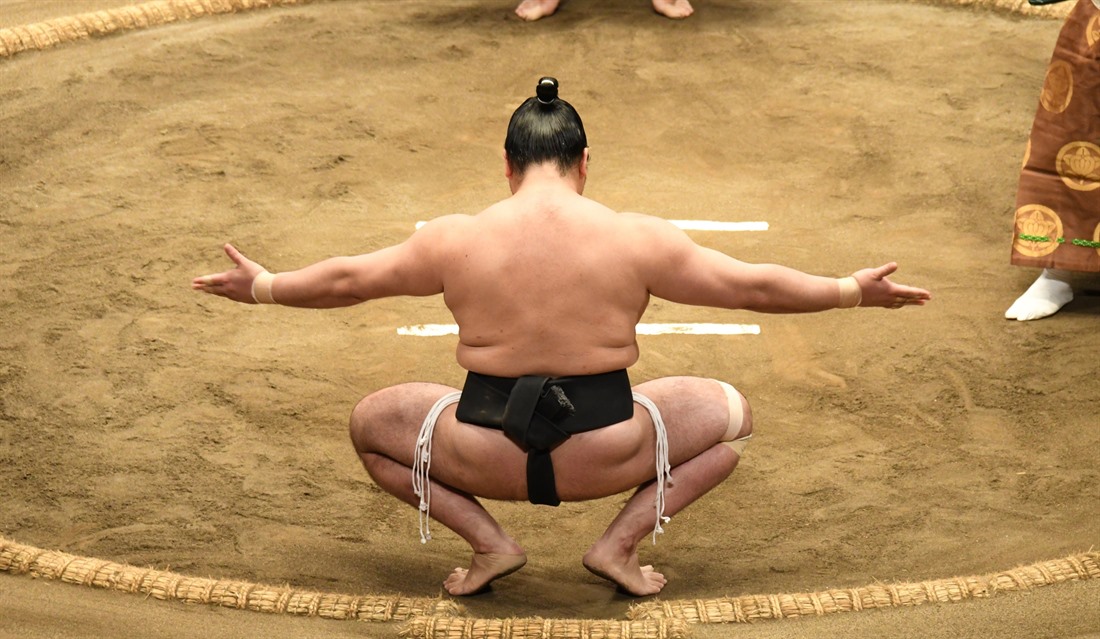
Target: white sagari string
x,y
422,463
664,470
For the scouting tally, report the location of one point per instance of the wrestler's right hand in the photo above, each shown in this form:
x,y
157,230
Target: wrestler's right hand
x,y
877,289
236,284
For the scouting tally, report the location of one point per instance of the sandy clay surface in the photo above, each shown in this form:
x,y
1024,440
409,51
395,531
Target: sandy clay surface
x,y
143,423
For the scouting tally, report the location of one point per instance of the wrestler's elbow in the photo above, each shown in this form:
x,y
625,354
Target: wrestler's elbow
x,y
333,283
354,288
757,299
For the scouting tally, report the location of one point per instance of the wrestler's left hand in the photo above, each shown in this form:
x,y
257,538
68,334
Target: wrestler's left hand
x,y
879,291
236,284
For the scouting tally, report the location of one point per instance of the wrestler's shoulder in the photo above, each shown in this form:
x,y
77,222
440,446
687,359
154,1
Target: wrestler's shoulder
x,y
649,225
463,220
643,218
447,221
443,227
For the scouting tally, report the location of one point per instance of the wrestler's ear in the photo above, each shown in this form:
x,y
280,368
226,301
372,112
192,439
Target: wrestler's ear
x,y
507,166
584,164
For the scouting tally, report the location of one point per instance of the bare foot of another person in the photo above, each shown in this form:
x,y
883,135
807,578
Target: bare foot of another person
x,y
531,10
675,9
484,568
626,572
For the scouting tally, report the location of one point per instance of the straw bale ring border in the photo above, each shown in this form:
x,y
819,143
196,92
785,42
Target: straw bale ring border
x,y
750,608
160,584
428,618
50,33
94,24
437,627
1022,7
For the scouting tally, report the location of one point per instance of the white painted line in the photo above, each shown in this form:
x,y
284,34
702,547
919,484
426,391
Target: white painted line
x,y
699,225
698,329
707,225
439,330
429,330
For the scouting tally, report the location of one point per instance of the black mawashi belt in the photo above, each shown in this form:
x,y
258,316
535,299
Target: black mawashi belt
x,y
538,413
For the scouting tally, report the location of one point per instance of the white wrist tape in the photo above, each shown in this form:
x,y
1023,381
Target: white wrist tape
x,y
850,292
261,288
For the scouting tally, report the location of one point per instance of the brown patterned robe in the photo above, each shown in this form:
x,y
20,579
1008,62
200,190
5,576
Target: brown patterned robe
x,y
1057,222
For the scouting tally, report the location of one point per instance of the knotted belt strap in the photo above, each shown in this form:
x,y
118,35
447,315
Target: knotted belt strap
x,y
537,432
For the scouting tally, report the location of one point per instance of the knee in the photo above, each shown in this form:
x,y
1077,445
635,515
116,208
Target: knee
x,y
739,412
746,417
364,423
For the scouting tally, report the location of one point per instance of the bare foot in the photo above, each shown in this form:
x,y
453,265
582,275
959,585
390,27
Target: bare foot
x,y
626,572
531,10
675,9
484,568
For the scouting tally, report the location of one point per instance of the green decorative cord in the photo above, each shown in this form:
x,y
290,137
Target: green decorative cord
x,y
1040,238
1061,240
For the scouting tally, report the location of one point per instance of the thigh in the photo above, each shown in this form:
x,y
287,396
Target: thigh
x,y
472,459
623,456
478,460
388,421
695,411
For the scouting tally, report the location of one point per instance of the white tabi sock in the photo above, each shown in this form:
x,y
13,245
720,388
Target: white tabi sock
x,y
1043,298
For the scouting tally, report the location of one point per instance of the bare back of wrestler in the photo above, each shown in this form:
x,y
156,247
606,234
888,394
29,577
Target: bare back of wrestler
x,y
548,282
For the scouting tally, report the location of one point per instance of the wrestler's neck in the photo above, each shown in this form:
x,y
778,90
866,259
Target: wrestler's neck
x,y
547,177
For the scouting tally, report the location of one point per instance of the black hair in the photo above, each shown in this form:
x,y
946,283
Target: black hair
x,y
545,128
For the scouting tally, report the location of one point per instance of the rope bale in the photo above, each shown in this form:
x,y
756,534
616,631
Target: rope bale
x,y
437,627
1021,7
751,608
159,584
439,619
50,33
94,24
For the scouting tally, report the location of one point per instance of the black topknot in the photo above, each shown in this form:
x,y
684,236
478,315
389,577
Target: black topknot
x,y
547,90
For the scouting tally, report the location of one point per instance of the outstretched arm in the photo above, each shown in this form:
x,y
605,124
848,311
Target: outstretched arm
x,y
404,269
682,271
